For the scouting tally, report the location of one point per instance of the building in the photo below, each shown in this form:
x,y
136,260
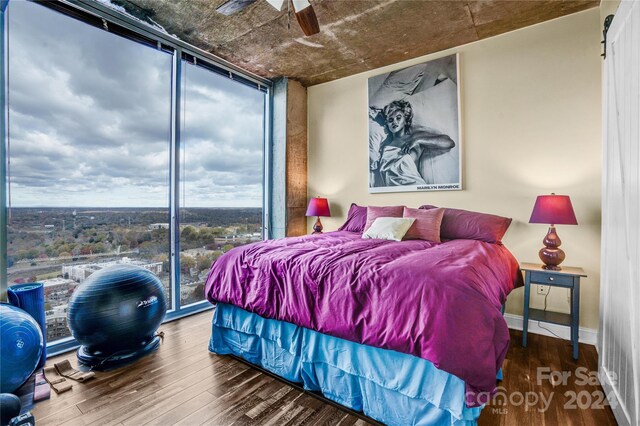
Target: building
x,y
202,251
81,272
57,326
57,291
155,226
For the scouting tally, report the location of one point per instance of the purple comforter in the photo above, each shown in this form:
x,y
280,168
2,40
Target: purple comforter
x,y
437,301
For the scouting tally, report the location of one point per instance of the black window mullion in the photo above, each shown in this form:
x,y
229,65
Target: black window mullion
x,y
4,87
174,189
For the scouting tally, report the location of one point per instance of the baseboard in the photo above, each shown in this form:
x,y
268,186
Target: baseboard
x,y
611,391
585,335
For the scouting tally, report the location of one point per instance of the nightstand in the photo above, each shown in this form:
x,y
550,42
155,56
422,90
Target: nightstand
x,y
568,277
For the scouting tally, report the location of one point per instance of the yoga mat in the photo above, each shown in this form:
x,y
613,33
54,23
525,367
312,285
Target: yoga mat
x,y
25,393
30,298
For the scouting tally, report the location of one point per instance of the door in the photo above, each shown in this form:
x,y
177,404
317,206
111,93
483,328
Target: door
x,y
619,337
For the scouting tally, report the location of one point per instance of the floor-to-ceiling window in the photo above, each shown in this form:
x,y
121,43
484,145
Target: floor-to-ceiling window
x,y
88,155
93,121
222,156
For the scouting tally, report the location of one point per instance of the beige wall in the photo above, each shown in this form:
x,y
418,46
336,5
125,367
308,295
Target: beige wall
x,y
530,126
608,7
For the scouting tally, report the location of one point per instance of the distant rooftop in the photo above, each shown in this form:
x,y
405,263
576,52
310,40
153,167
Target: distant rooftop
x,y
57,281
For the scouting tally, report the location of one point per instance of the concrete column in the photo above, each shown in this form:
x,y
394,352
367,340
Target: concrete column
x,y
288,159
296,159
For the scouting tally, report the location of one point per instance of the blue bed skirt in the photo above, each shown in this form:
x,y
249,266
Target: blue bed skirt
x,y
388,386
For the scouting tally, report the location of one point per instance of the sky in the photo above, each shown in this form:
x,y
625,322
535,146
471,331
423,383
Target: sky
x,y
89,121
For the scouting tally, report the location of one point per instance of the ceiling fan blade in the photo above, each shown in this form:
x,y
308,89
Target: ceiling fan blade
x,y
232,6
276,3
307,19
305,14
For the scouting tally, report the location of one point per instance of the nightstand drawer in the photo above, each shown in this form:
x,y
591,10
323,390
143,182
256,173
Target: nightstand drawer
x,y
550,278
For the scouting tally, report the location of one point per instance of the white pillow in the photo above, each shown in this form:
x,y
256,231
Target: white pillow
x,y
389,228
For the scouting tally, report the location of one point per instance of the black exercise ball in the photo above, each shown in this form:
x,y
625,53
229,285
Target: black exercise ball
x,y
115,313
9,408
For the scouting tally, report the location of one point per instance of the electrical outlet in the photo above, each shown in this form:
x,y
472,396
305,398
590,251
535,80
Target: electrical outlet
x,y
543,289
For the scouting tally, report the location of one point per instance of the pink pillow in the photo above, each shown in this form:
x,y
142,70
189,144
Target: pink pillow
x,y
426,225
460,224
356,219
387,211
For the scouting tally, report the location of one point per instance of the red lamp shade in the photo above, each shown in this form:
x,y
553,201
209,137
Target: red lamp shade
x,y
318,207
553,210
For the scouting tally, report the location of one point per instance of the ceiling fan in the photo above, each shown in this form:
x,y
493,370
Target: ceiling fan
x,y
305,14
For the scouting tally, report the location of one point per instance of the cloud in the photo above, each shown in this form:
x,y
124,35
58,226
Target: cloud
x,y
90,121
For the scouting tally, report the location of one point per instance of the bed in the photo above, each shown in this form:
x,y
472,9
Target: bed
x,y
407,332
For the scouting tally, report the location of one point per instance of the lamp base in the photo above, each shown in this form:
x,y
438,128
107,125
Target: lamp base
x,y
551,267
551,255
317,227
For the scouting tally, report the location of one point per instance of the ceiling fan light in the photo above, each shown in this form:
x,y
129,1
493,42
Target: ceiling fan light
x,y
276,3
298,5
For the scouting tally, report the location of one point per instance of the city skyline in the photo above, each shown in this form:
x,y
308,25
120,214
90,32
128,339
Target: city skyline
x,y
62,246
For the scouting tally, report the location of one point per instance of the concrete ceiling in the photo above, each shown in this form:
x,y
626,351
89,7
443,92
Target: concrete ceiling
x,y
355,35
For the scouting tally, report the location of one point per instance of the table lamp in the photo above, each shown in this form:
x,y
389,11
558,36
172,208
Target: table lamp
x,y
553,210
318,207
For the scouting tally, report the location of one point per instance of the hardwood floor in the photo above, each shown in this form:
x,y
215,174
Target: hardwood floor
x,y
527,371
183,384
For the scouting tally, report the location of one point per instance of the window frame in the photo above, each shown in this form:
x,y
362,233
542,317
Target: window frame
x,y
113,21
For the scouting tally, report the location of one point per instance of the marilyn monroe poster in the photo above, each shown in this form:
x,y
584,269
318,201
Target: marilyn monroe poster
x,y
414,136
